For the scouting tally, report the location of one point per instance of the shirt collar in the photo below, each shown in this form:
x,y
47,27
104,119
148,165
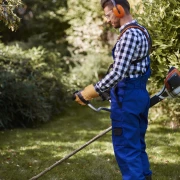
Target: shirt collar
x,y
122,27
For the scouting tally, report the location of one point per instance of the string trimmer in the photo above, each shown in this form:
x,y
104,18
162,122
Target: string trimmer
x,y
171,89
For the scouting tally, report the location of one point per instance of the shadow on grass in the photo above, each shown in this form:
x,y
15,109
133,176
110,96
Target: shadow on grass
x,y
164,138
26,152
165,171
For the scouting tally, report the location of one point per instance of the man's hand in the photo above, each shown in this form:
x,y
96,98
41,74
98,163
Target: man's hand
x,y
89,92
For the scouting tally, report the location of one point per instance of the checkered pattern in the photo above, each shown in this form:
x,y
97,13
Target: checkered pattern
x,y
132,46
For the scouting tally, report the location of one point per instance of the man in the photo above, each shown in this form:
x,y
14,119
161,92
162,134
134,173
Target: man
x,y
129,97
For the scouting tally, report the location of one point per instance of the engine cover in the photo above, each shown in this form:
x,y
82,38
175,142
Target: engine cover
x,y
172,82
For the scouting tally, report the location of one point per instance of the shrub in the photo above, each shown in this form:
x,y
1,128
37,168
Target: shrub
x,y
89,69
30,87
161,18
85,19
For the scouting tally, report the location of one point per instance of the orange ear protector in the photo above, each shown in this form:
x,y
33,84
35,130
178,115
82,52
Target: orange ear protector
x,y
118,10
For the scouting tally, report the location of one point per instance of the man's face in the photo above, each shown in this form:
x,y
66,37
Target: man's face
x,y
111,18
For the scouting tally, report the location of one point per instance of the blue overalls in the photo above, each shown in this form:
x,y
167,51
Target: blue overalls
x,y
129,114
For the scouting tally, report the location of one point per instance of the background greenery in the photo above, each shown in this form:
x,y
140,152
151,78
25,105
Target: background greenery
x,y
62,46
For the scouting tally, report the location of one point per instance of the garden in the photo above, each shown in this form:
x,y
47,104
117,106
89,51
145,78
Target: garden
x,y
48,50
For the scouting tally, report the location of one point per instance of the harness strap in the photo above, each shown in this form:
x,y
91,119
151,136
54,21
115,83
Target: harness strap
x,y
134,25
148,37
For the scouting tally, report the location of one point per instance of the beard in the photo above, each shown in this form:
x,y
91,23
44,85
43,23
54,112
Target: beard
x,y
116,25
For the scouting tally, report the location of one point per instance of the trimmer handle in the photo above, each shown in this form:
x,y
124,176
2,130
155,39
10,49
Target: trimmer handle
x,y
74,95
105,96
78,93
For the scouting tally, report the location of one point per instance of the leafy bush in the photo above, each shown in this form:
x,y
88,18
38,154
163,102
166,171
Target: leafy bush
x,y
161,18
85,19
20,104
30,86
89,69
32,65
42,24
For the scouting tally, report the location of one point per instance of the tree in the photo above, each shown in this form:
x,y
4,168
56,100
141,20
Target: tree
x,y
42,24
7,14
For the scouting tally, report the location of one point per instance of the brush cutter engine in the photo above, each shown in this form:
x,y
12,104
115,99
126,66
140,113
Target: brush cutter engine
x,y
172,83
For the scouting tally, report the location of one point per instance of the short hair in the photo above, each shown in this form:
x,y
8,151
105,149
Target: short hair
x,y
124,3
105,3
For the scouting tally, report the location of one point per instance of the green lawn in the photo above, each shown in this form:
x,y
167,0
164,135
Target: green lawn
x,y
26,152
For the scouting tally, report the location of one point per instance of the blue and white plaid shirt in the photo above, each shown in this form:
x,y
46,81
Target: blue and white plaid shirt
x,y
132,45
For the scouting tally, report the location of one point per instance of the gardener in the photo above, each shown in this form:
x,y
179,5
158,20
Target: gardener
x,y
129,97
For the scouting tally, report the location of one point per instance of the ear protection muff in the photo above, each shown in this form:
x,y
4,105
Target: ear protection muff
x,y
118,10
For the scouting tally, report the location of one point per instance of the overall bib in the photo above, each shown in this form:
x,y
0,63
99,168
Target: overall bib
x,y
129,114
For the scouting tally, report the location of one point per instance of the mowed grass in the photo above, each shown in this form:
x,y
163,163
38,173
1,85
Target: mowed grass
x,y
24,153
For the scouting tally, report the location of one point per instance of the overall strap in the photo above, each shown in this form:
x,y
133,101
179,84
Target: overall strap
x,y
134,25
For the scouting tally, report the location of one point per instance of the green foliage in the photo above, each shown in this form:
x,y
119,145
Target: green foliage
x,y
30,86
161,18
7,14
65,42
88,51
170,109
85,18
20,104
89,69
32,64
42,24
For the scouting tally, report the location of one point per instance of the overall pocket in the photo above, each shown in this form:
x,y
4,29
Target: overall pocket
x,y
117,133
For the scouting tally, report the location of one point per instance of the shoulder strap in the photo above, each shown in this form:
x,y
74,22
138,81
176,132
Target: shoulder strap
x,y
134,25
